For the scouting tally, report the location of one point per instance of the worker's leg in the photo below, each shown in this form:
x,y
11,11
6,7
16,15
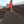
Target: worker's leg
x,y
11,9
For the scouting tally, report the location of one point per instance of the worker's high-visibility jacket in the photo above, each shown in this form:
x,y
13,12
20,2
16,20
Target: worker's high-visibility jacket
x,y
10,5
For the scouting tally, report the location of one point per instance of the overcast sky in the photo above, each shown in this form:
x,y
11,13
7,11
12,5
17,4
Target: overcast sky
x,y
4,2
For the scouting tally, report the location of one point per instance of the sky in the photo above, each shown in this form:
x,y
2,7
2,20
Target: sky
x,y
4,2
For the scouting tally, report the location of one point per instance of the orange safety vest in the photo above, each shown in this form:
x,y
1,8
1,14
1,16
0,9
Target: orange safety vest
x,y
10,5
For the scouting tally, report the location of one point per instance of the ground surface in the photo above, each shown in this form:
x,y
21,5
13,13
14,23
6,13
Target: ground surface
x,y
12,18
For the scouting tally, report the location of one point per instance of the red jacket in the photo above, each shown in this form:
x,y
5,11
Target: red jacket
x,y
10,5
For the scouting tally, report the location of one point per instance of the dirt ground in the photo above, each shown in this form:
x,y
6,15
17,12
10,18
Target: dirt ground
x,y
12,18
